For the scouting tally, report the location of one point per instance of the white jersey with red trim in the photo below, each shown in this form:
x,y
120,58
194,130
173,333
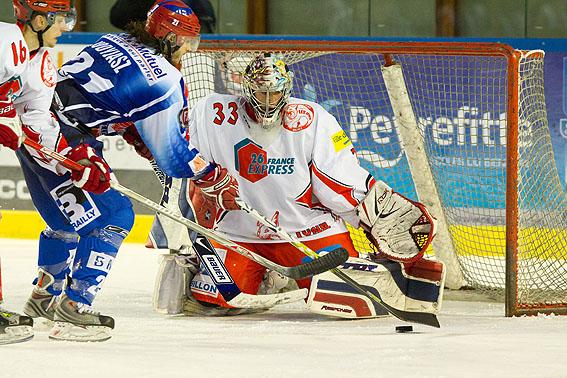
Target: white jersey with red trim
x,y
304,176
33,105
32,79
15,58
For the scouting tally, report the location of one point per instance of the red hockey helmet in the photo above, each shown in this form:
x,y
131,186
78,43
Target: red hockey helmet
x,y
175,21
25,9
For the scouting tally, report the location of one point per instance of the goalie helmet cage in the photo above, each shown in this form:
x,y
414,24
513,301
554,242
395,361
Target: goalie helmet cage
x,y
471,116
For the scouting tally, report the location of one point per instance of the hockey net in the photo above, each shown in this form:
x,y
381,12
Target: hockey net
x,y
476,147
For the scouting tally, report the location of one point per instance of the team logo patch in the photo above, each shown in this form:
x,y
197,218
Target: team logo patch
x,y
77,205
253,163
340,140
298,117
48,73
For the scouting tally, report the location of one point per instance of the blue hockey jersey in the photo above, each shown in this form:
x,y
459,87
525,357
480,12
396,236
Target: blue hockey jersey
x,y
118,80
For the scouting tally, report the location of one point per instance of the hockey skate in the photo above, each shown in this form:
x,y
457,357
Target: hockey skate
x,y
41,303
75,321
15,328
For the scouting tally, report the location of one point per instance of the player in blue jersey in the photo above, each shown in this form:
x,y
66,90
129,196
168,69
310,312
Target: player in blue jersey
x,y
127,84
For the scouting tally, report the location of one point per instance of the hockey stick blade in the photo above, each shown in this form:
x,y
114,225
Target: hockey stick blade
x,y
322,264
244,300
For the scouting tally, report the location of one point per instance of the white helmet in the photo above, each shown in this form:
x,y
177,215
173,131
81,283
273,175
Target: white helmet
x,y
267,77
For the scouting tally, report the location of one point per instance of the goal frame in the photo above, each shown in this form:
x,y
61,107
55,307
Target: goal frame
x,y
387,48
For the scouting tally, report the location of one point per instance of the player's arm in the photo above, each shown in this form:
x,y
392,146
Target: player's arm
x,y
10,125
400,228
178,156
14,49
338,180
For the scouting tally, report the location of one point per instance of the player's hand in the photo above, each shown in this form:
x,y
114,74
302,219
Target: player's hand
x,y
95,177
133,138
10,126
220,187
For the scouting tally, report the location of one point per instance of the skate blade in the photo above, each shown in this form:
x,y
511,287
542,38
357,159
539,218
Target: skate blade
x,y
42,324
63,331
16,334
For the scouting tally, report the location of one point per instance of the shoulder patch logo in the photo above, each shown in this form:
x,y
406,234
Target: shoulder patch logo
x,y
298,117
48,73
340,140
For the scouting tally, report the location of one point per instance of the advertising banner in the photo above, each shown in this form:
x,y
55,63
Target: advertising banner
x,y
368,121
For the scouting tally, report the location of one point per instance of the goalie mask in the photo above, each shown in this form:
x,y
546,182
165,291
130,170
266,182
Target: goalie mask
x,y
267,86
174,25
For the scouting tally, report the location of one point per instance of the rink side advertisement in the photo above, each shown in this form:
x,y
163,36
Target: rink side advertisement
x,y
370,129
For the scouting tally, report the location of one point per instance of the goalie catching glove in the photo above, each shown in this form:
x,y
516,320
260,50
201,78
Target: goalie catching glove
x,y
219,187
95,177
10,126
400,229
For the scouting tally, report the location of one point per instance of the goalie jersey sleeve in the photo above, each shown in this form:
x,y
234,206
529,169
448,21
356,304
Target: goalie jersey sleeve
x,y
339,182
301,176
119,80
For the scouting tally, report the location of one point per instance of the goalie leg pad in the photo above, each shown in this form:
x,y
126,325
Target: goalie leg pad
x,y
418,289
174,274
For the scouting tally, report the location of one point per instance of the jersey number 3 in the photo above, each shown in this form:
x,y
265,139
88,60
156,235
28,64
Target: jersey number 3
x,y
220,115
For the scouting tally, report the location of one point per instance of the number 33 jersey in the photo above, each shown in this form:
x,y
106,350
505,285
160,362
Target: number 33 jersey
x,y
304,174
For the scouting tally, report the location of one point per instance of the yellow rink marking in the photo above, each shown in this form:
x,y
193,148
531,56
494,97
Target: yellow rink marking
x,y
18,224
490,241
480,241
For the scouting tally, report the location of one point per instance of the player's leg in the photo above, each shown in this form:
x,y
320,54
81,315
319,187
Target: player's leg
x,y
102,221
287,255
56,243
416,286
246,274
102,230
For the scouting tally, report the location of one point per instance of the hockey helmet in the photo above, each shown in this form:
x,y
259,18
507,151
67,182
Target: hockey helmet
x,y
267,84
26,9
173,22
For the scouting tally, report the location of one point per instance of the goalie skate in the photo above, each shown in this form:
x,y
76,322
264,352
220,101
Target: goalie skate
x,y
76,321
14,328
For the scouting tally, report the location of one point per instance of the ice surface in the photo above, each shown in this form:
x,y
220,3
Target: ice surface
x,y
475,339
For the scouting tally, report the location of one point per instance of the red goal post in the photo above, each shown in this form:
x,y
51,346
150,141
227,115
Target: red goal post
x,y
461,127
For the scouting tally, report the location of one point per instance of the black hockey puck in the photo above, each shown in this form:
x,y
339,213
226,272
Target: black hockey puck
x,y
404,329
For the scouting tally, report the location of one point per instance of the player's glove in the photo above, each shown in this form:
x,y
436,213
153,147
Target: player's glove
x,y
10,126
400,229
133,138
220,187
95,177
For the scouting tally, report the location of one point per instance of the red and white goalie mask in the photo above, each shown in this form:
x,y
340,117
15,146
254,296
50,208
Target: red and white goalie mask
x,y
267,84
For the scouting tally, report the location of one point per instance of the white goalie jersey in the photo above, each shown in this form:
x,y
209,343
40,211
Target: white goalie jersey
x,y
303,175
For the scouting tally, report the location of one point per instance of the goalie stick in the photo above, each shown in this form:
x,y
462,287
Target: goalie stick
x,y
408,316
228,288
297,272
